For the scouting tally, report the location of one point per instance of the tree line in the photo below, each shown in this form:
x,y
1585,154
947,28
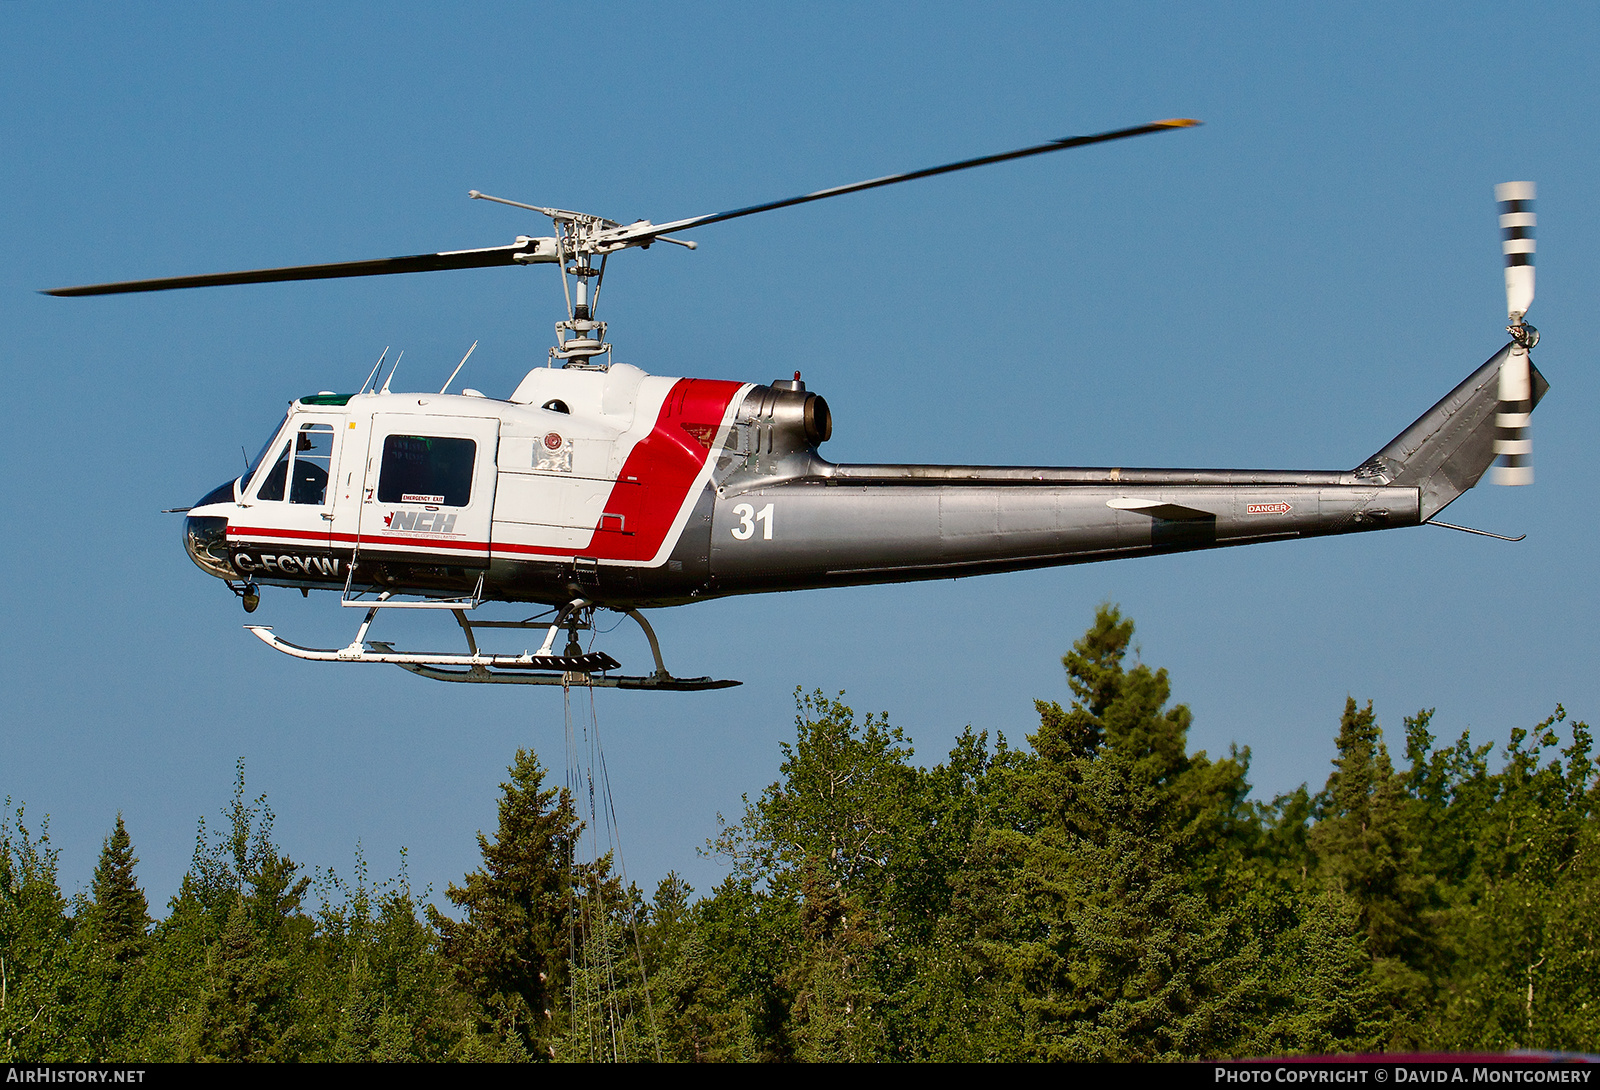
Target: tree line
x,y
1099,894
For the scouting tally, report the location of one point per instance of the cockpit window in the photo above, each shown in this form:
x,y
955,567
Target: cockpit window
x,y
273,480
255,463
223,493
313,454
301,467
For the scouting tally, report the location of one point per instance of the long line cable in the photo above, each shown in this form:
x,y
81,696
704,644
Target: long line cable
x,y
601,914
594,991
600,1007
572,876
622,871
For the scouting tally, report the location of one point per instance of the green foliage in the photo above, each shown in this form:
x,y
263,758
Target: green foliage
x,y
37,990
1107,895
836,809
1102,894
1521,924
386,994
1365,849
237,970
611,1012
236,946
689,987
828,842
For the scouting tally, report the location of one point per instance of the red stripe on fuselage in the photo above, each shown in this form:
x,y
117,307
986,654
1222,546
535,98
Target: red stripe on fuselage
x,y
257,532
661,469
654,485
272,531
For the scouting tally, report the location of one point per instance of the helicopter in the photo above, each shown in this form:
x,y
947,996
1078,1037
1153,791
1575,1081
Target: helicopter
x,y
596,486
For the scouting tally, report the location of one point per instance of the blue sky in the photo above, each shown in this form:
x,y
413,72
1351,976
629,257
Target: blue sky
x,y
1288,286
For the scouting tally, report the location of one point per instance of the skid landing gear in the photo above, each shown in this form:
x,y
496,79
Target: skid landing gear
x,y
572,666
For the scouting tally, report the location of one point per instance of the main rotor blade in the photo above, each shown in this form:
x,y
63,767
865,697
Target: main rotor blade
x,y
534,250
653,229
525,251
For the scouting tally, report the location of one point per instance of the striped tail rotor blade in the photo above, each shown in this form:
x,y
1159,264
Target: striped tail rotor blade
x,y
1513,444
1517,221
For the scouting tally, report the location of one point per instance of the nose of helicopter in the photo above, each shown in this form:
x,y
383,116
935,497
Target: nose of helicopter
x,y
205,536
204,539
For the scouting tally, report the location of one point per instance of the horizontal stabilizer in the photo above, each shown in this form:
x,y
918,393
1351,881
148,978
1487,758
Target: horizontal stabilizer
x,y
1160,509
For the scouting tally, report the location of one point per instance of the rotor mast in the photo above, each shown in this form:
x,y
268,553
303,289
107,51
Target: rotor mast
x,y
580,238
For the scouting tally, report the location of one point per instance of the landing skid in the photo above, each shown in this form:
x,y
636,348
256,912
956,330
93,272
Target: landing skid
x,y
502,677
541,667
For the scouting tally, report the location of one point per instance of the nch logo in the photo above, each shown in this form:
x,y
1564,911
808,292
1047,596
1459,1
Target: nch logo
x,y
434,522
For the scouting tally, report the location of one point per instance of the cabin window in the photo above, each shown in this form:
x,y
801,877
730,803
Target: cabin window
x,y
426,470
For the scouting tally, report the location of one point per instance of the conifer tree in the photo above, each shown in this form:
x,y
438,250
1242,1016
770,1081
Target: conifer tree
x,y
1108,914
384,993
611,1018
109,951
1202,802
510,952
696,1018
121,915
1365,850
246,1008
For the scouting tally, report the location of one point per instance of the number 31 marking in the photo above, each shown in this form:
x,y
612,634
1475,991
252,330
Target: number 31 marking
x,y
748,517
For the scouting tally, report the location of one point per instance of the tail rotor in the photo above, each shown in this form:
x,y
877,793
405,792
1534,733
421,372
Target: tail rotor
x,y
1513,444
